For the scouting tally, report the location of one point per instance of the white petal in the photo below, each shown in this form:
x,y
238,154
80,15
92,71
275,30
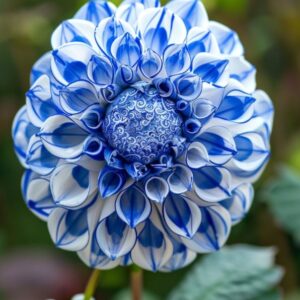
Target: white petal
x,y
95,11
264,109
181,257
41,67
242,71
39,103
62,137
74,31
69,229
132,206
180,180
228,40
153,247
39,159
199,40
159,27
39,199
78,96
110,29
129,12
213,232
196,156
115,237
176,59
192,12
22,131
219,144
73,186
240,203
157,189
69,62
211,68
212,184
182,215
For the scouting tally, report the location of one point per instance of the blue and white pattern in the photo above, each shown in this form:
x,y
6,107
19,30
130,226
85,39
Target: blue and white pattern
x,y
142,134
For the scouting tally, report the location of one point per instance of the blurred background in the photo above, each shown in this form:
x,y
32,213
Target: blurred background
x,y
32,269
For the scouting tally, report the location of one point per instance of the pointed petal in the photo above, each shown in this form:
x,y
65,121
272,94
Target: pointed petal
x,y
213,232
149,65
73,30
181,215
200,40
92,255
196,156
159,28
228,40
95,258
157,189
219,144
92,117
212,93
211,68
203,110
253,152
22,131
240,202
129,12
189,87
132,206
73,186
109,30
95,11
146,3
153,247
263,108
69,229
100,70
69,62
78,96
115,237
242,71
236,106
39,159
111,181
192,12
181,257
181,180
62,137
39,103
126,49
41,67
176,59
38,196
212,184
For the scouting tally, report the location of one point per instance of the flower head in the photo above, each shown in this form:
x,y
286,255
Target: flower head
x,y
142,134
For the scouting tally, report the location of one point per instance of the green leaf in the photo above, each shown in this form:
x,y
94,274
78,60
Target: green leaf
x,y
234,273
272,295
283,196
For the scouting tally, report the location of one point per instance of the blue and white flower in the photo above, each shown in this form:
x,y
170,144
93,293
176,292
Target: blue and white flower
x,y
142,134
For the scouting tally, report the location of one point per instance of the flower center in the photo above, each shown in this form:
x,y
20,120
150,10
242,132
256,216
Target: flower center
x,y
141,125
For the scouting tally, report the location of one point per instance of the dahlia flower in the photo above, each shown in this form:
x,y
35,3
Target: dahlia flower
x,y
142,134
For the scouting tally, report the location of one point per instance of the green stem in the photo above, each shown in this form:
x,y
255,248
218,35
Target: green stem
x,y
136,282
92,285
